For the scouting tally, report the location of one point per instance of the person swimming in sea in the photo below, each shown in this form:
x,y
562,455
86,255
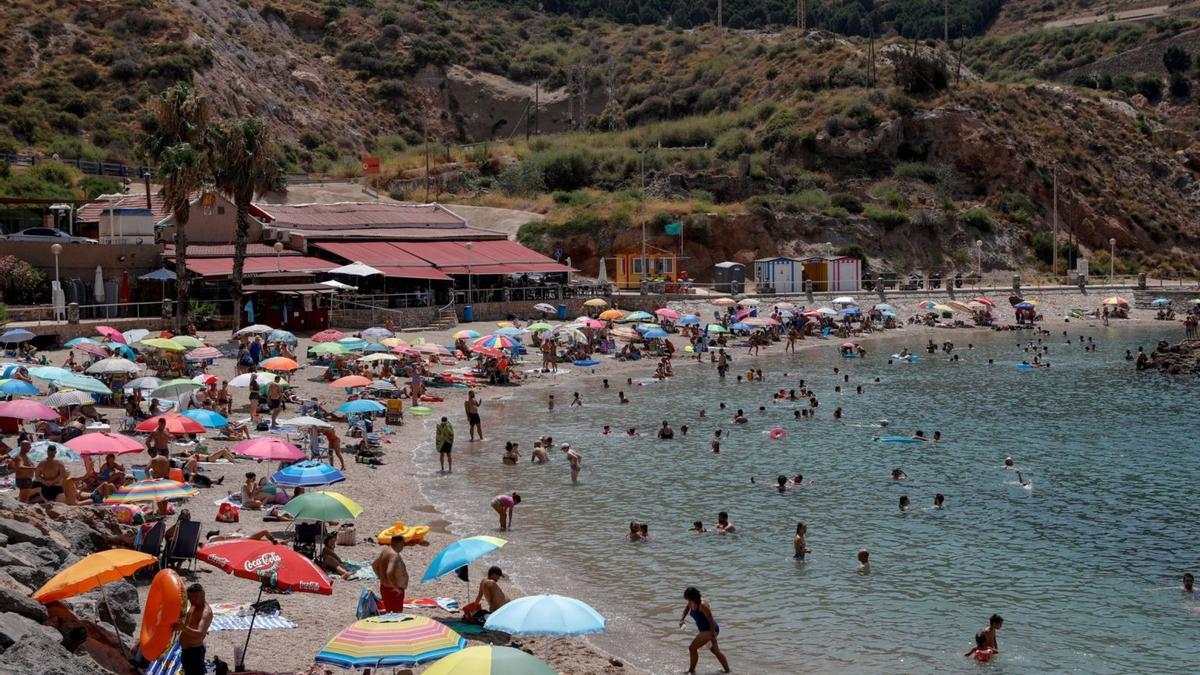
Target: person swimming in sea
x,y
740,417
698,528
939,501
632,433
723,524
539,454
635,532
919,436
898,474
904,503
864,561
799,547
606,431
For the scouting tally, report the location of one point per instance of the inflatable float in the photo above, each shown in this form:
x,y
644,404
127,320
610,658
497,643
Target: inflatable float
x,y
898,439
432,399
586,362
420,410
411,535
777,434
164,609
910,357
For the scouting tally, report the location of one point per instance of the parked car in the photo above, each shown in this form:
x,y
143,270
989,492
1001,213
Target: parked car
x,y
47,234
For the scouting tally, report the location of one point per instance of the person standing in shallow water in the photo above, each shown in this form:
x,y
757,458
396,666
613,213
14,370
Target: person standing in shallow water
x,y
707,626
444,440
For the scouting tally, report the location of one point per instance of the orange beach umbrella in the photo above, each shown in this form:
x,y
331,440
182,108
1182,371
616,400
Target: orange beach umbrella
x,y
92,572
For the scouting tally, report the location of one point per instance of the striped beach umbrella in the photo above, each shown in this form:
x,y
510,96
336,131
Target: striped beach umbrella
x,y
153,490
204,354
495,342
465,334
490,660
307,474
92,349
391,640
69,398
83,383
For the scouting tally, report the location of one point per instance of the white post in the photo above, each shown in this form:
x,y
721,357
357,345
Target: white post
x,y
278,249
1054,270
1112,260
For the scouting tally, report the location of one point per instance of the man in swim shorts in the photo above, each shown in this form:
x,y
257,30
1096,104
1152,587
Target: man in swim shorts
x,y
393,575
192,631
471,406
51,474
576,461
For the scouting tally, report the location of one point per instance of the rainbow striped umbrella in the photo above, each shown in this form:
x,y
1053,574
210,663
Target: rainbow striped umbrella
x,y
466,334
495,342
154,490
390,640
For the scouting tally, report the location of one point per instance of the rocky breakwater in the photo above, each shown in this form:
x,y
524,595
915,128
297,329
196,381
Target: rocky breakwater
x,y
1178,359
78,635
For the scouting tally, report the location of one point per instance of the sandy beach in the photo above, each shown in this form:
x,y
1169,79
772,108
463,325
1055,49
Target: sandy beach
x,y
393,492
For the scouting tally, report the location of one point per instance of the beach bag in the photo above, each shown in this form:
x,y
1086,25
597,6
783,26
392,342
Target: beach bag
x,y
347,536
227,513
368,604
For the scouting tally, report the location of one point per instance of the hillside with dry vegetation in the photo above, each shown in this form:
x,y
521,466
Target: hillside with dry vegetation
x,y
761,141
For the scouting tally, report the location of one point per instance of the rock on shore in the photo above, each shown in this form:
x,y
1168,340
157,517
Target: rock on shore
x,y
1179,359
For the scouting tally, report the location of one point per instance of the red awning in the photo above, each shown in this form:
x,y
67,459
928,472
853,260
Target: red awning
x,y
223,267
413,273
513,268
375,253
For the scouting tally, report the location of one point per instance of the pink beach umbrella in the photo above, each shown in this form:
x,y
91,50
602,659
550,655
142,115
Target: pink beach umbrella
x,y
430,348
667,313
594,324
270,449
111,333
94,350
329,335
24,409
404,349
101,443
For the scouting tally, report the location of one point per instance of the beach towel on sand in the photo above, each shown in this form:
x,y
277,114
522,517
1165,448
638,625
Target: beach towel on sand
x,y
261,622
360,571
448,604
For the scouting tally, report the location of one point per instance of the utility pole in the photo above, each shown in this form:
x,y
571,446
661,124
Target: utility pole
x,y
642,173
720,13
425,134
1054,265
946,22
802,15
536,93
871,57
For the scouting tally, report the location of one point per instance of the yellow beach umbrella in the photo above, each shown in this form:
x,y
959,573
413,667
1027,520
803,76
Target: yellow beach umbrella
x,y
490,660
611,315
92,572
166,344
393,342
596,302
943,309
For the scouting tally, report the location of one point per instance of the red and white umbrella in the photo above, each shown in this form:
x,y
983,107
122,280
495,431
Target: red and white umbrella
x,y
984,301
329,335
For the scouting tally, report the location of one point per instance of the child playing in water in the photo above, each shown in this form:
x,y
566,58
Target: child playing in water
x,y
798,542
981,651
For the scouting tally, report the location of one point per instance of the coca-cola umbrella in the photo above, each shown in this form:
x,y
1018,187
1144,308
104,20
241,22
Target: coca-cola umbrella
x,y
272,565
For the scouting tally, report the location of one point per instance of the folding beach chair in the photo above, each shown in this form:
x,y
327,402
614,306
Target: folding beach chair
x,y
307,534
183,548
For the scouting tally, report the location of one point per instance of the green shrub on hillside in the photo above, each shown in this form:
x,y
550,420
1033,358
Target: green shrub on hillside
x,y
521,180
564,169
918,171
849,202
978,218
94,186
888,218
733,143
1176,59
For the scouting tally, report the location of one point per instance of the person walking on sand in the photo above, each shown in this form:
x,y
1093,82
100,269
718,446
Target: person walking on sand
x,y
444,439
576,461
707,626
471,405
503,505
193,630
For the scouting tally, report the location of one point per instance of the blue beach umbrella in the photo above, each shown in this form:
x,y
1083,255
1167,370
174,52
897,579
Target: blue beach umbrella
x,y
376,348
80,340
460,553
49,373
353,344
851,311
510,332
17,388
207,418
689,320
654,333
546,615
1023,305
124,351
740,326
362,405
280,335
307,474
1160,302
16,335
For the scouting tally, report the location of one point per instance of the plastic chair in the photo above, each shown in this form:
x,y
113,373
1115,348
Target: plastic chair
x,y
183,548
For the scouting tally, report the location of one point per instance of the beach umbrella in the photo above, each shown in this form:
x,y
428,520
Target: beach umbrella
x,y
272,565
495,342
851,311
466,334
153,490
122,350
984,301
306,421
103,443
545,308
784,305
383,385
204,354
883,306
206,418
255,329
92,572
926,305
404,349
1160,302
111,333
688,320
113,366
307,474
1116,300
739,326
943,309
330,348
655,334
280,335
323,506
595,302
487,351
143,383
37,451
80,340
134,335
165,344
637,316
490,660
459,554
400,342
242,381
270,449
17,388
375,348
667,313
845,300
611,315
724,302
328,335
594,324
1023,305
748,302
375,358
827,311
888,314
510,332
177,424
361,405
49,373
352,343
1194,301
976,306
279,363
766,320
569,333
175,387
546,615
92,349
350,382
204,379
390,640
715,328
16,335
539,327
376,333
70,397
24,409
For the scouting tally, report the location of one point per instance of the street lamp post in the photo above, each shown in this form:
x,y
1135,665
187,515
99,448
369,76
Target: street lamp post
x,y
1112,260
469,246
278,249
979,261
56,249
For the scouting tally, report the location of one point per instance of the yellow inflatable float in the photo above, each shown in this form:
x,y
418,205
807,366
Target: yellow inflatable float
x,y
412,535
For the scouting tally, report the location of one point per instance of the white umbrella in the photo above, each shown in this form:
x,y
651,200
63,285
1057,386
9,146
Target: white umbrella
x,y
243,380
827,311
112,366
845,300
135,335
68,398
339,285
305,421
144,383
256,328
545,307
356,269
98,286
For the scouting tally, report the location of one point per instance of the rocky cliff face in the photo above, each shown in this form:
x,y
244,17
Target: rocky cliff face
x,y
1178,359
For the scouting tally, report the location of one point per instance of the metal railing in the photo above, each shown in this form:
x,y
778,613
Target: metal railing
x,y
89,166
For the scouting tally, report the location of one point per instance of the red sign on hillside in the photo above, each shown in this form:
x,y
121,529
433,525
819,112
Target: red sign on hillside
x,y
370,165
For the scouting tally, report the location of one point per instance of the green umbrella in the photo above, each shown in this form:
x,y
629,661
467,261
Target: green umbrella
x,y
173,388
329,348
324,506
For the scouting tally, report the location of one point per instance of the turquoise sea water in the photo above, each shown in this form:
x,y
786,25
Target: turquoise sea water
x,y
1085,567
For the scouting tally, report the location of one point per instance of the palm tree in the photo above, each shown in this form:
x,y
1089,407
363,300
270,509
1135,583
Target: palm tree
x,y
244,165
178,145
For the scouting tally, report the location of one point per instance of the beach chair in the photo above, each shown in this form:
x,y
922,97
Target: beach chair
x,y
183,547
152,542
305,541
395,411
